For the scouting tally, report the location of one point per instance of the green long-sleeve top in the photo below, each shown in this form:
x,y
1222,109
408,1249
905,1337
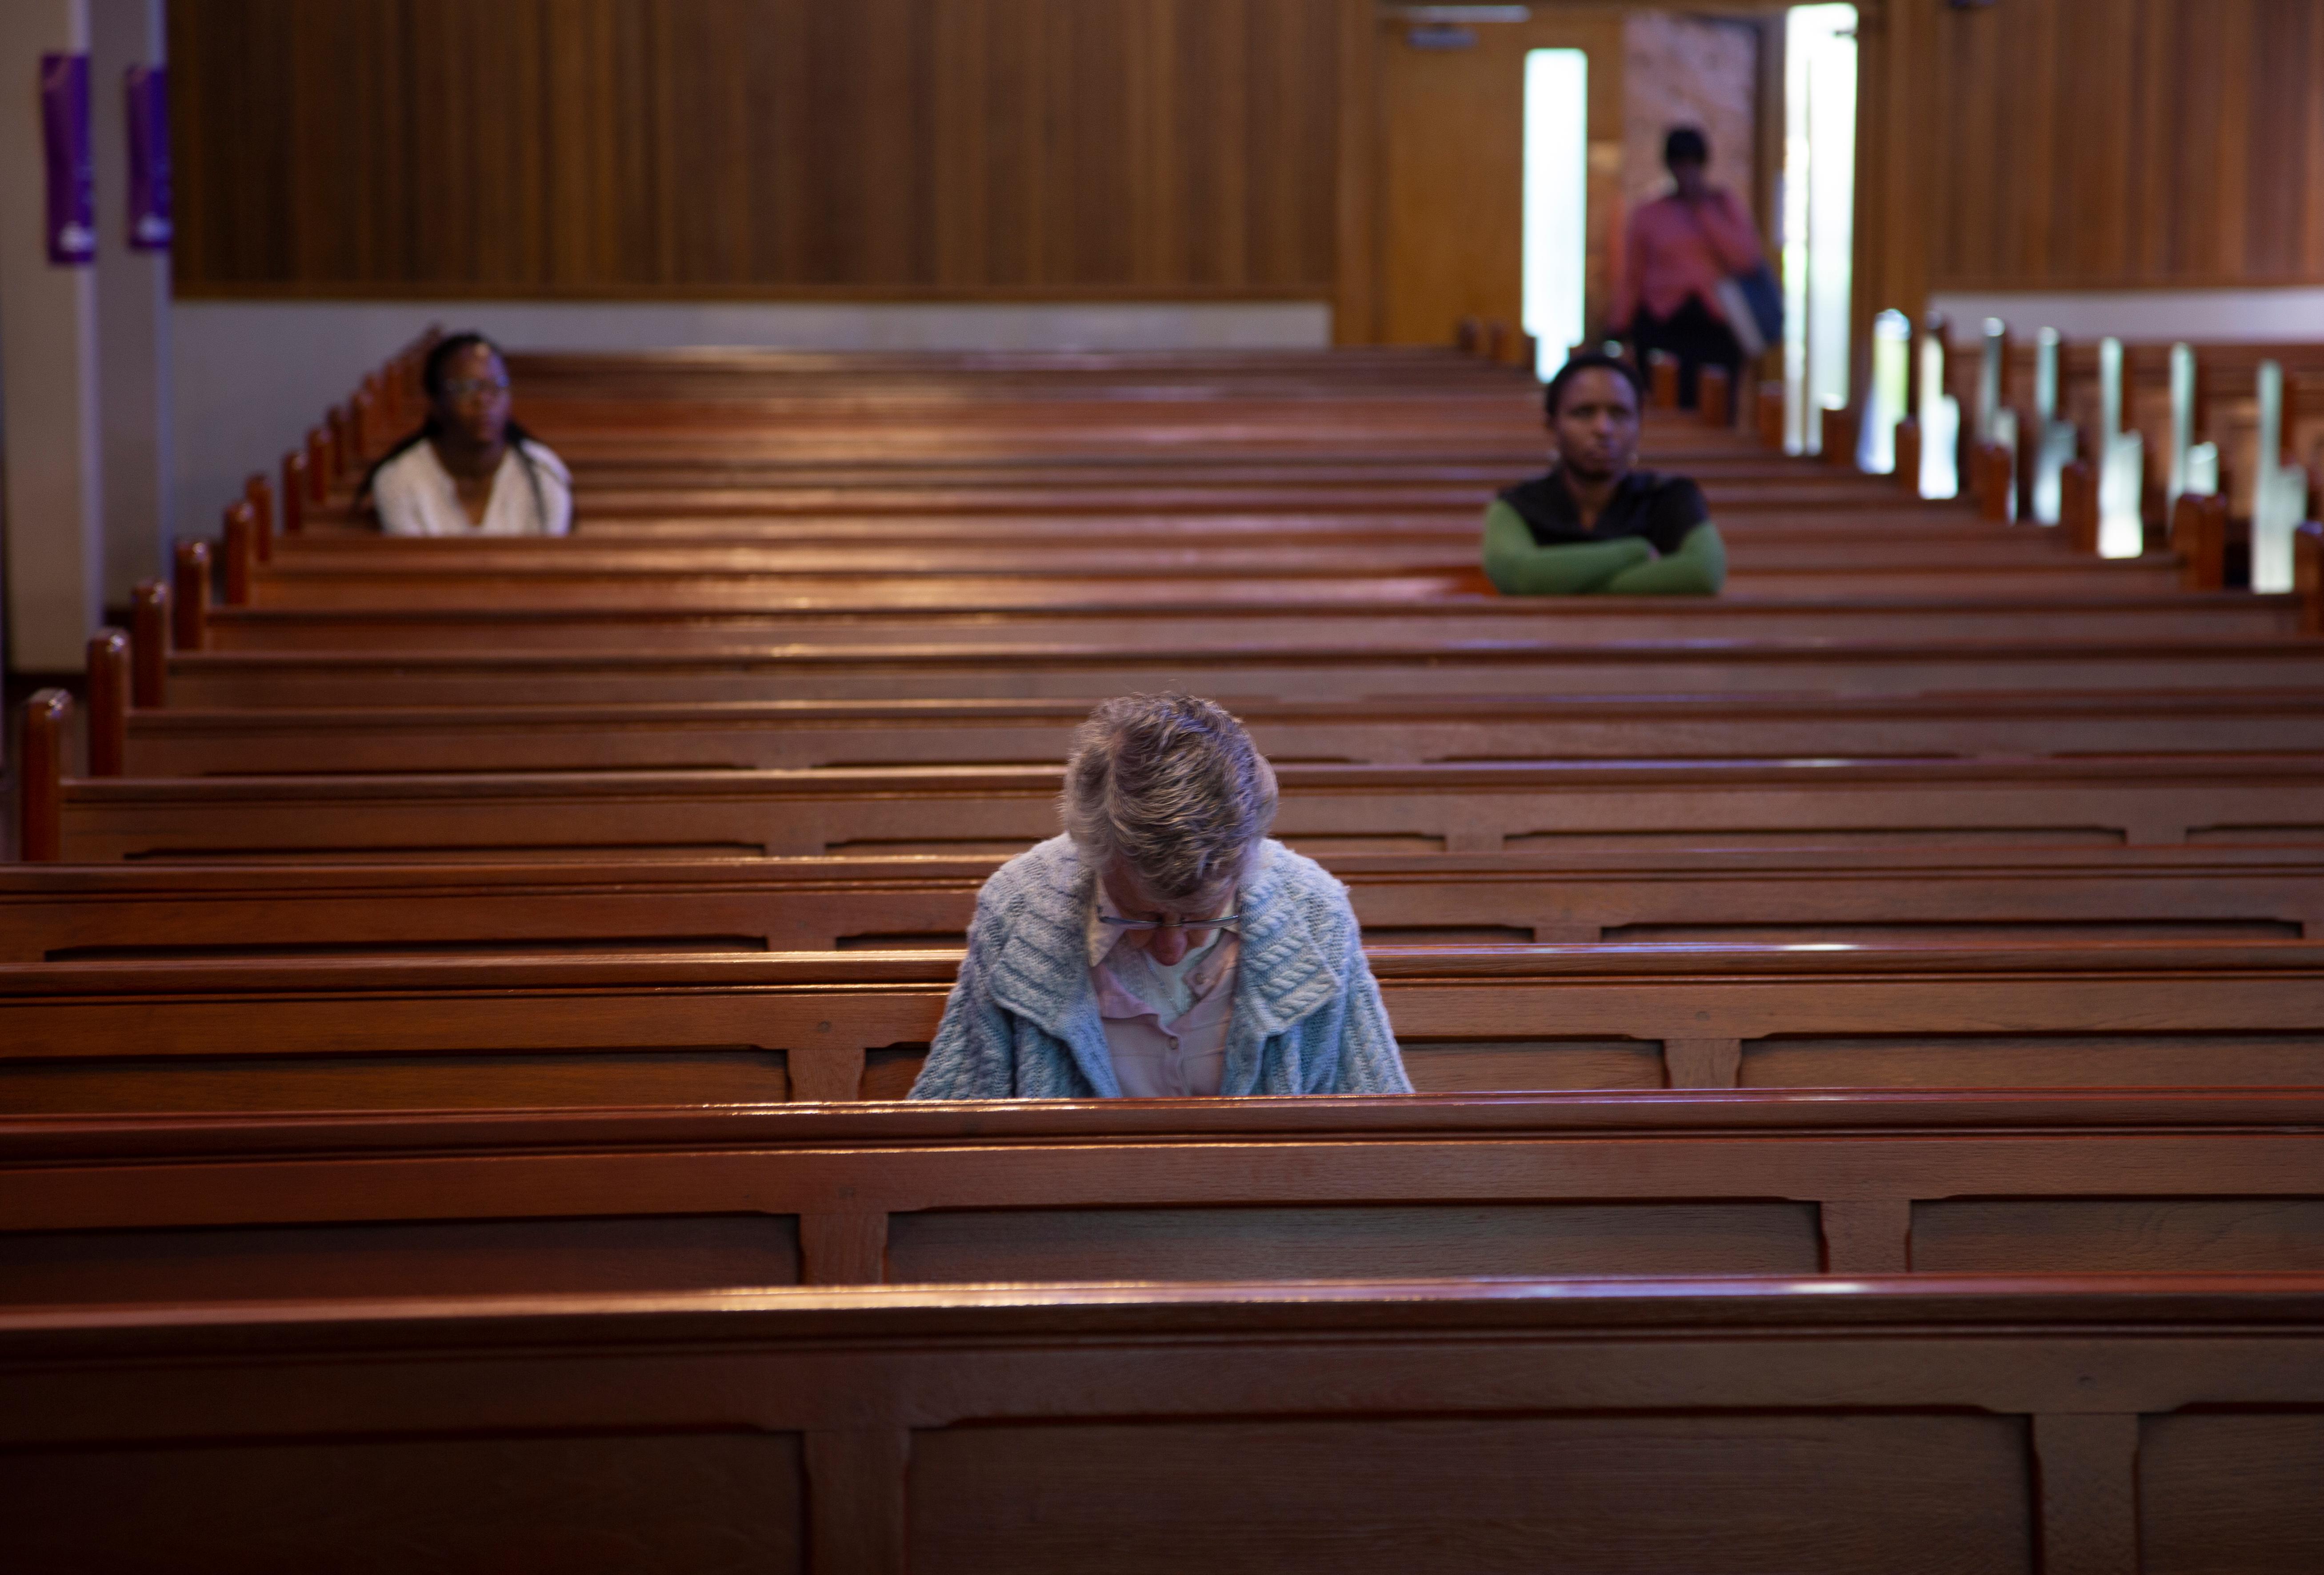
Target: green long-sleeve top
x,y
1620,566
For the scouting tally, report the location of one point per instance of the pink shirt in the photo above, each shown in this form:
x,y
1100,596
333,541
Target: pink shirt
x,y
1186,1056
1673,253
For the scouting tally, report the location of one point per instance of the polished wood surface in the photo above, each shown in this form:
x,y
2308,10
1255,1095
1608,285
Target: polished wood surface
x,y
2082,145
599,1029
156,1208
1940,1423
973,149
1450,806
125,912
1939,904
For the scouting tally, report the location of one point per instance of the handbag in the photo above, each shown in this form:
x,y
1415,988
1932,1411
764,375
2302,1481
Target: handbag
x,y
1751,301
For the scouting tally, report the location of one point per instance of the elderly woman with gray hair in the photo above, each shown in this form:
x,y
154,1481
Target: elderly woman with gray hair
x,y
1164,945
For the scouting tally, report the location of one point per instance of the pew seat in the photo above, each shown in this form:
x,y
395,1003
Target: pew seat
x,y
1002,621
793,735
598,1031
1994,1423
152,911
1325,810
1319,670
159,1209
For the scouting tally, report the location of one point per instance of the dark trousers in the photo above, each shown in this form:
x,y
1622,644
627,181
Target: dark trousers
x,y
1698,339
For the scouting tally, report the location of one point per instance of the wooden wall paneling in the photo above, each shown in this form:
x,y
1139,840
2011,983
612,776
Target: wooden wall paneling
x,y
780,147
1356,262
1895,166
2227,99
1222,102
2091,210
1972,51
959,217
2136,142
2281,172
2154,141
2311,137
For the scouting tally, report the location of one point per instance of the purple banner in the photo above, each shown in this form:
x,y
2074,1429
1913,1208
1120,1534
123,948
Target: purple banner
x,y
64,137
148,157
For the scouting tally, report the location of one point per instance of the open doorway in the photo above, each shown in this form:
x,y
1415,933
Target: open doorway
x,y
1490,112
1505,129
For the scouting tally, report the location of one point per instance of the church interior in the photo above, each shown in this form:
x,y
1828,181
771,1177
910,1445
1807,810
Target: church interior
x,y
938,785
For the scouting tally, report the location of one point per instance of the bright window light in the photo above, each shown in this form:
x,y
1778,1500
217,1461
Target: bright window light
x,y
1556,201
1819,215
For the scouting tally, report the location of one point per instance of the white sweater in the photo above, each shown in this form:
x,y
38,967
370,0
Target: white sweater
x,y
416,496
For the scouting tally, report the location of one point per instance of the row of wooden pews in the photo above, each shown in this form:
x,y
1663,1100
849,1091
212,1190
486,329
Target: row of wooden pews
x,y
455,1010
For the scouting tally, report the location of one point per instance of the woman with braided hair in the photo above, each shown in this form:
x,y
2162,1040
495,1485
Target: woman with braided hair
x,y
470,470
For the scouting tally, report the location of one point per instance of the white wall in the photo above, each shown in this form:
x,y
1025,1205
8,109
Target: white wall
x,y
133,312
251,376
2146,316
49,425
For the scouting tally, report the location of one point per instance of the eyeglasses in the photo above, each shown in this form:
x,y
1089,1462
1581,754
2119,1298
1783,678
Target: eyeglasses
x,y
1225,921
462,387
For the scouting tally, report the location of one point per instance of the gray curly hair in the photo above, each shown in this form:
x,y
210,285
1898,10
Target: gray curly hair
x,y
1173,784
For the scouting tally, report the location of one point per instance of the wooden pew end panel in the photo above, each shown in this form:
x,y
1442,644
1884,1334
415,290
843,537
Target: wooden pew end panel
x,y
109,689
190,602
2308,575
149,645
41,743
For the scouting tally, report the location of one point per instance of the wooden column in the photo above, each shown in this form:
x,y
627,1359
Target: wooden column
x,y
843,1249
108,702
1714,396
1662,380
2307,575
1840,437
2077,506
318,466
191,616
1702,1062
241,554
2088,1471
1907,473
149,645
259,494
338,425
1866,1235
41,770
2198,526
856,1502
1995,475
1770,415
294,493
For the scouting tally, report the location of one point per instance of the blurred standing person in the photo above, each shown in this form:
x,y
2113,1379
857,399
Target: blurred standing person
x,y
1679,251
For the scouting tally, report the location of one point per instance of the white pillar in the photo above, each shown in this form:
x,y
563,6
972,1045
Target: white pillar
x,y
48,423
133,313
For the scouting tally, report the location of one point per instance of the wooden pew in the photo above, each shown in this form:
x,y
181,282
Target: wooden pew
x,y
1232,674
94,912
571,567
1001,620
605,1030
1326,809
2045,575
780,735
243,1208
2090,1422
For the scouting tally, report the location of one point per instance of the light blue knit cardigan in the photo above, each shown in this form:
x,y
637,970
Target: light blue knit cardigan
x,y
1022,1022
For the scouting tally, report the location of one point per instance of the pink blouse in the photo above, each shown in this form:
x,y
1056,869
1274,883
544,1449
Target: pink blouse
x,y
1673,254
1181,1058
